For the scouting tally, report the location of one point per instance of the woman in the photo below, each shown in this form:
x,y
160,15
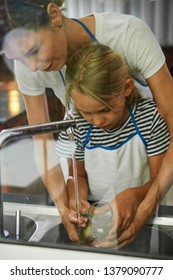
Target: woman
x,y
42,43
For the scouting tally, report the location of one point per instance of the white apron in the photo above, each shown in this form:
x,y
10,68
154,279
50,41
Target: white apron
x,y
111,170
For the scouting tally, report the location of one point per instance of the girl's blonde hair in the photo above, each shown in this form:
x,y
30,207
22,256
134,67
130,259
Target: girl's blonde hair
x,y
98,72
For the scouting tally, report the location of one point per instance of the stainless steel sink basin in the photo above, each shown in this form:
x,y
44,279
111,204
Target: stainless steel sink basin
x,y
56,234
42,225
27,227
36,220
153,239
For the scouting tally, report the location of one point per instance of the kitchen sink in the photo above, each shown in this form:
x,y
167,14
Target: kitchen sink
x,y
35,221
153,239
56,234
42,226
27,227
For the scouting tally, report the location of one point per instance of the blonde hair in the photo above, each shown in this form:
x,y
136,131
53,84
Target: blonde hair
x,y
98,72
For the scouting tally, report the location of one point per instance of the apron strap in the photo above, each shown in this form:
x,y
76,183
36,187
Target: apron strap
x,y
92,37
86,29
88,135
62,77
139,81
121,144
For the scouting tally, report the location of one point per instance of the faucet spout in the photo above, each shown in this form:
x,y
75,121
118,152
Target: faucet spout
x,y
22,131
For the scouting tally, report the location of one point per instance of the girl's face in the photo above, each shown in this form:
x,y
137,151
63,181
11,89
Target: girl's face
x,y
99,114
44,50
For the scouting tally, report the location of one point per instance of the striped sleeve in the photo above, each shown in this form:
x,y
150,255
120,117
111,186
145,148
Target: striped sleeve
x,y
64,145
159,138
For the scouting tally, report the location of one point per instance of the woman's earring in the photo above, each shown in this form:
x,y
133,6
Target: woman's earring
x,y
61,26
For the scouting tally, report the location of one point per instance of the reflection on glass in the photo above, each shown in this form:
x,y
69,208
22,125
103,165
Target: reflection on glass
x,y
14,104
11,104
20,175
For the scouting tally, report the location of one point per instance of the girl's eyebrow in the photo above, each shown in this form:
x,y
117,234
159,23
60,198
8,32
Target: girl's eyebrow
x,y
99,111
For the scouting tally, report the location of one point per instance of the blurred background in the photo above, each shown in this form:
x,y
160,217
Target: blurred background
x,y
156,13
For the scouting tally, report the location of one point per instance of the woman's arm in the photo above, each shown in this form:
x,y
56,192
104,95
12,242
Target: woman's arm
x,y
44,144
125,229
46,159
161,85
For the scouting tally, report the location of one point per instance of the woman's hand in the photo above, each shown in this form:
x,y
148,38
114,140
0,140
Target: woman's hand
x,y
124,207
145,211
128,217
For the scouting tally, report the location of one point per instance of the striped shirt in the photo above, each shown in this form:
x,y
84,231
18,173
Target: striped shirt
x,y
150,124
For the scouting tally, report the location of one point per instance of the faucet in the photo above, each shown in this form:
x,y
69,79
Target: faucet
x,y
22,131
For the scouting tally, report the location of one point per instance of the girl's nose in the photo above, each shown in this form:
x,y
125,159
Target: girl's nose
x,y
97,120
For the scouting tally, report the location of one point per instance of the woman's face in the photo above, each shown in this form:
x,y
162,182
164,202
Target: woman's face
x,y
98,113
44,50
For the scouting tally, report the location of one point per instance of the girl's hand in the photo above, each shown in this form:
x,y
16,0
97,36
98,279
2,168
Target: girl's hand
x,y
83,208
71,228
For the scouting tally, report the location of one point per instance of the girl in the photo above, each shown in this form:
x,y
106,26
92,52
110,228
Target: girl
x,y
120,138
